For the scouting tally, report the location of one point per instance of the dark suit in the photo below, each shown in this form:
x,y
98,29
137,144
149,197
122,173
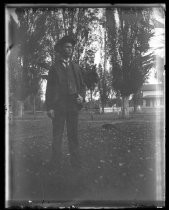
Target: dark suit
x,y
63,87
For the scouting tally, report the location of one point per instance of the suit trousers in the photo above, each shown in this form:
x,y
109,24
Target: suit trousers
x,y
58,122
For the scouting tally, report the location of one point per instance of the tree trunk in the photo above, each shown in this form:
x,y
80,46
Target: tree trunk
x,y
34,106
102,104
91,115
64,22
20,109
102,108
135,108
105,56
135,102
125,107
91,106
91,92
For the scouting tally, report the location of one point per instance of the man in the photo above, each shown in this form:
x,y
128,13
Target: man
x,y
63,101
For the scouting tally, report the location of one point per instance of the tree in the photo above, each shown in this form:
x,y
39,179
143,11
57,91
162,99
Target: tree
x,y
14,69
83,34
78,23
68,21
159,38
90,78
104,85
136,99
38,31
25,40
129,32
89,71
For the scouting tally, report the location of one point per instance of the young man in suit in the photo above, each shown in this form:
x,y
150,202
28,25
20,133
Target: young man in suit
x,y
63,101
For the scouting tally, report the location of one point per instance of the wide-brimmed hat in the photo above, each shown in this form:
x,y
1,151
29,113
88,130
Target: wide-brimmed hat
x,y
65,39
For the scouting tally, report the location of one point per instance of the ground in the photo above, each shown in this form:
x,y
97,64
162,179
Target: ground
x,y
117,164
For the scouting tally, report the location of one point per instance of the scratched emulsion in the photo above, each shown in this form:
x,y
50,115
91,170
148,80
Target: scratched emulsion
x,y
160,157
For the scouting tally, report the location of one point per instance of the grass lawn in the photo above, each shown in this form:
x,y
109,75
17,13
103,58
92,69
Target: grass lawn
x,y
116,166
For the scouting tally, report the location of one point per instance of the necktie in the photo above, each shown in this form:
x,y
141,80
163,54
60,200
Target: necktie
x,y
66,63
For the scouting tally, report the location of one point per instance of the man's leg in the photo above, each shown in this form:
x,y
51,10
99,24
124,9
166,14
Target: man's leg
x,y
58,127
72,132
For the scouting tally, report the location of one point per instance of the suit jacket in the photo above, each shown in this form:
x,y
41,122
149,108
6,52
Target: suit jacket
x,y
56,91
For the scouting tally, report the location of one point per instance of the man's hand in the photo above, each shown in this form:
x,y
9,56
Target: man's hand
x,y
79,99
51,113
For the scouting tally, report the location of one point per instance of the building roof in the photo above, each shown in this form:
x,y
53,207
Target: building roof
x,y
152,87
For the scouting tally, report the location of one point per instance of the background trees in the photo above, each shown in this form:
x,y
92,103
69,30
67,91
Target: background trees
x,y
90,78
129,32
35,35
26,37
104,85
120,35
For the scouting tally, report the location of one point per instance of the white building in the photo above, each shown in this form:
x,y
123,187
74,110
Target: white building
x,y
152,96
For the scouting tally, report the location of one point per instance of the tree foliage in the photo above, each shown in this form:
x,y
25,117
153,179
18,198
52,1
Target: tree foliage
x,y
129,32
124,35
25,38
90,77
38,31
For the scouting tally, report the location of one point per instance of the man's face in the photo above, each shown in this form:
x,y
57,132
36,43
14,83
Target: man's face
x,y
67,50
